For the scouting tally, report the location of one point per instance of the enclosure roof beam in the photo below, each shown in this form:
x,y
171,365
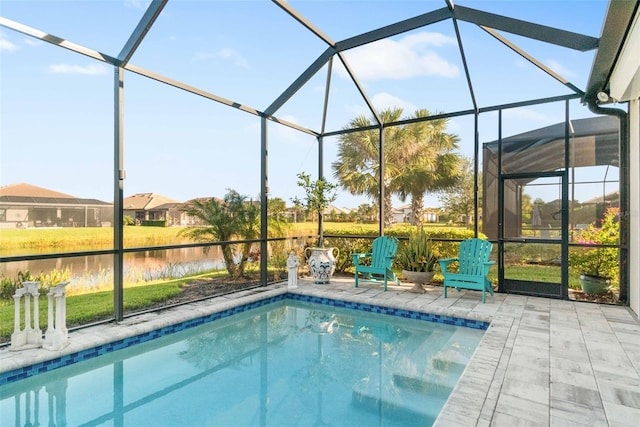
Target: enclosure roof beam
x,y
304,21
207,95
360,88
50,38
463,57
531,59
300,81
149,17
394,29
188,88
527,29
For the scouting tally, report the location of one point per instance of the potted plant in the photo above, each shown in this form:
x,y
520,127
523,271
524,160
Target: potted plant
x,y
597,266
417,259
319,194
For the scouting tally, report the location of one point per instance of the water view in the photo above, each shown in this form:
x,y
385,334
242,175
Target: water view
x,y
92,271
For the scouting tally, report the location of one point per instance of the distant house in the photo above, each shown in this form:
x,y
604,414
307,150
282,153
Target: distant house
x,y
335,210
177,216
403,214
24,206
147,207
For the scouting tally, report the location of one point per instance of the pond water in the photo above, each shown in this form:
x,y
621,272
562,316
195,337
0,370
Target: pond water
x,y
90,271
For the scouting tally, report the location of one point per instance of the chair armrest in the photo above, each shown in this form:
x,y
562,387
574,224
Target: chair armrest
x,y
444,262
362,255
356,257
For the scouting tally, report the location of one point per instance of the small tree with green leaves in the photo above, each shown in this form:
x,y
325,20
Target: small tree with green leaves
x,y
319,194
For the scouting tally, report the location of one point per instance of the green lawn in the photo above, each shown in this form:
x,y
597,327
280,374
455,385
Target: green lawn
x,y
88,308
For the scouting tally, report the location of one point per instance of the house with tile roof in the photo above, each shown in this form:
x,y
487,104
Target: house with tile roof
x,y
148,207
25,205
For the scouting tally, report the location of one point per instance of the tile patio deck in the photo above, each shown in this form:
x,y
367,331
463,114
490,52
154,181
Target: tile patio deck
x,y
541,362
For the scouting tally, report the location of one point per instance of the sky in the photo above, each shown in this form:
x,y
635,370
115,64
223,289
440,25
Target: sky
x,y
57,120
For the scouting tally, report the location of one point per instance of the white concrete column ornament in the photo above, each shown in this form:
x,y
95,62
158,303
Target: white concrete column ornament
x,y
31,335
57,335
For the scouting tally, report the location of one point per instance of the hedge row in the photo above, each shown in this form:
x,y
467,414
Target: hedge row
x,y
445,242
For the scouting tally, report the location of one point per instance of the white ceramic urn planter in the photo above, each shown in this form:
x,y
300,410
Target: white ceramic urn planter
x,y
322,264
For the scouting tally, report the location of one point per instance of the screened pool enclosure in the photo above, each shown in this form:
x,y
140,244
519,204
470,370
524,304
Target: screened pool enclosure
x,y
177,101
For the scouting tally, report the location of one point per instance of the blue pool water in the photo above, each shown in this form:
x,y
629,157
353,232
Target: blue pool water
x,y
285,363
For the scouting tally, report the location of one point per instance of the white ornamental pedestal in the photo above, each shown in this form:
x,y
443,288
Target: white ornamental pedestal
x,y
57,335
31,335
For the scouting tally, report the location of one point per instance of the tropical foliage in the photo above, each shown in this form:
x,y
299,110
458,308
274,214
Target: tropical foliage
x,y
319,194
417,254
598,261
418,157
224,220
459,200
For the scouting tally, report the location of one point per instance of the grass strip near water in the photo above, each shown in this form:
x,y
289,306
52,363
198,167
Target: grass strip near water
x,y
86,238
93,307
96,238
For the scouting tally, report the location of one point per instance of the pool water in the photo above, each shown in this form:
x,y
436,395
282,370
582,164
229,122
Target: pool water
x,y
284,364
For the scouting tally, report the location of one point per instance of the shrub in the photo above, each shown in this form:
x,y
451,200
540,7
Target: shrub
x,y
445,241
597,261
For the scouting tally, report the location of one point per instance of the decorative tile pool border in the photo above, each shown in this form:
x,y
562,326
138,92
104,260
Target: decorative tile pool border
x,y
400,312
69,359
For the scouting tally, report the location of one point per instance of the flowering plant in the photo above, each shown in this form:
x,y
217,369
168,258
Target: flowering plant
x,y
597,261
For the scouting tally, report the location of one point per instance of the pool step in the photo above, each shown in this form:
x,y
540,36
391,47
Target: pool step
x,y
397,403
434,387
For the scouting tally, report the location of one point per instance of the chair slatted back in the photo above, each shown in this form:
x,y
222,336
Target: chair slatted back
x,y
383,250
473,254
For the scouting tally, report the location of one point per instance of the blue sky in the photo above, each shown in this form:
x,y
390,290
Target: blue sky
x,y
57,106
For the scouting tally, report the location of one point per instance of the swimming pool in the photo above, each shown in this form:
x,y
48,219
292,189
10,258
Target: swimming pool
x,y
279,362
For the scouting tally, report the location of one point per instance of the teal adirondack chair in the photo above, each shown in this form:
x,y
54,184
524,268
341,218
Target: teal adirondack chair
x,y
474,267
382,253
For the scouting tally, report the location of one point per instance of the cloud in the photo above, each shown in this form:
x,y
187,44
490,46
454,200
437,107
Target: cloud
x,y
225,54
91,70
137,4
407,57
385,100
32,42
380,102
7,46
551,63
233,56
559,68
203,56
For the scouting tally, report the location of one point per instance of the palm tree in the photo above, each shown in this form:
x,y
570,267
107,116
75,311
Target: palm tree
x,y
418,158
432,165
225,220
459,201
358,169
